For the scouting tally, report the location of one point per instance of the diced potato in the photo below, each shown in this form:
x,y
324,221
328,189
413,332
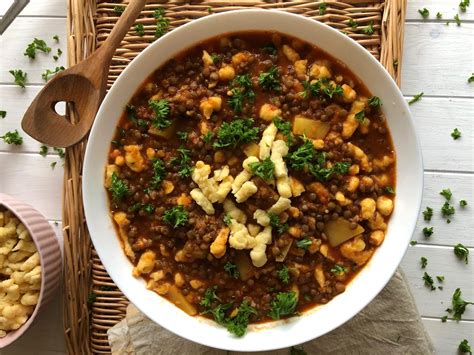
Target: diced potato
x,y
244,265
339,230
300,69
252,149
209,105
175,296
313,129
269,112
167,186
165,133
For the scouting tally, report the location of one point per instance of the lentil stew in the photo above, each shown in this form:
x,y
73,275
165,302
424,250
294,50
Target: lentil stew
x,y
251,178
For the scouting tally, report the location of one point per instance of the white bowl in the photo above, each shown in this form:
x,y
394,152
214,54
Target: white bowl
x,y
370,280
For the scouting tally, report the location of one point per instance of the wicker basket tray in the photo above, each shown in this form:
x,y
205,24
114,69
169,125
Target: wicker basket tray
x,y
92,302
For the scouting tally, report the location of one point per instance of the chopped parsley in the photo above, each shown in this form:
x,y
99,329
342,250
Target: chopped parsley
x,y
118,9
463,203
416,98
270,49
457,20
283,305
3,114
140,29
320,87
19,77
148,208
176,216
236,132
447,194
322,8
413,242
60,152
447,210
37,44
375,101
310,89
270,80
444,319
232,270
56,38
330,89
276,224
183,161
338,269
427,214
304,243
428,281
461,252
241,91
263,169
207,138
471,78
464,346
427,231
285,128
162,111
227,219
53,165
47,73
424,13
43,151
440,278
389,190
360,116
456,134
423,262
459,305
216,58
118,188
243,81
56,57
12,137
235,324
464,4
284,274
369,29
353,24
439,15
183,136
162,23
302,156
210,296
159,173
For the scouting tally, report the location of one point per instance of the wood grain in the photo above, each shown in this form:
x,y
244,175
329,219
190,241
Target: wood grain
x,y
447,8
447,336
50,8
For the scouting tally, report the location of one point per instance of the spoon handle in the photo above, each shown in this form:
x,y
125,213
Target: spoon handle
x,y
127,18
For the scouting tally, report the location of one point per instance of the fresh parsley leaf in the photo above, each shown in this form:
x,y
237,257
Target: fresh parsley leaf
x,y
447,210
238,96
463,5
53,165
427,231
183,136
118,188
19,77
285,128
162,23
236,132
210,297
341,167
360,116
428,281
423,262
227,219
424,13
3,114
184,162
446,193
56,38
464,346
216,58
338,269
119,9
91,298
162,111
369,29
310,89
37,44
302,156
375,101
283,305
322,8
459,305
284,274
389,190
444,319
237,325
207,138
457,20
440,278
263,169
304,243
149,208
12,137
463,203
427,214
140,29
330,89
456,134
416,98
59,52
270,80
461,252
276,224
413,242
43,151
353,24
232,270
176,216
439,15
243,81
471,78
47,73
60,152
159,173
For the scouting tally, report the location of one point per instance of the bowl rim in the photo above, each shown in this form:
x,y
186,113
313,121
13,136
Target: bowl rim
x,y
250,344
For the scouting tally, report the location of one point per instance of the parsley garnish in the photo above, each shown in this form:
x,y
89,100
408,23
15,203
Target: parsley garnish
x,y
242,91
270,80
43,151
240,131
118,9
447,210
461,252
283,305
353,24
338,269
463,203
209,297
284,274
37,44
457,20
162,111
427,231
183,161
53,165
413,242
243,81
216,58
427,214
304,243
148,208
159,173
446,193
118,188
140,29
464,346
439,15
459,305
285,128
330,90
389,190
3,114
322,8
270,49
19,77
428,281
207,138
56,57
423,262
440,278
424,13
183,136
263,169
276,224
369,30
456,134
237,324
471,78
60,152
302,156
463,5
375,101
416,98
45,75
56,38
232,270
444,319
360,116
176,216
310,89
162,23
12,137
227,219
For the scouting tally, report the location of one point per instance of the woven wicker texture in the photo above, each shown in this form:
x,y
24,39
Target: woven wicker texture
x,y
92,302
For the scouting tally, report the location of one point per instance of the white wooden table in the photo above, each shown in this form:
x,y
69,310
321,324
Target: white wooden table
x,y
438,60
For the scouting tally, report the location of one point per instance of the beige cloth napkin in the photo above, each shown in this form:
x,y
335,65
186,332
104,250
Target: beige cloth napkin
x,y
390,324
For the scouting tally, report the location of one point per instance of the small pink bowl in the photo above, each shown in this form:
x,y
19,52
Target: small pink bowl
x,y
50,257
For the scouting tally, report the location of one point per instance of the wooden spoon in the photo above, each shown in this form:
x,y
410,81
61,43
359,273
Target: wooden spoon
x,y
81,86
